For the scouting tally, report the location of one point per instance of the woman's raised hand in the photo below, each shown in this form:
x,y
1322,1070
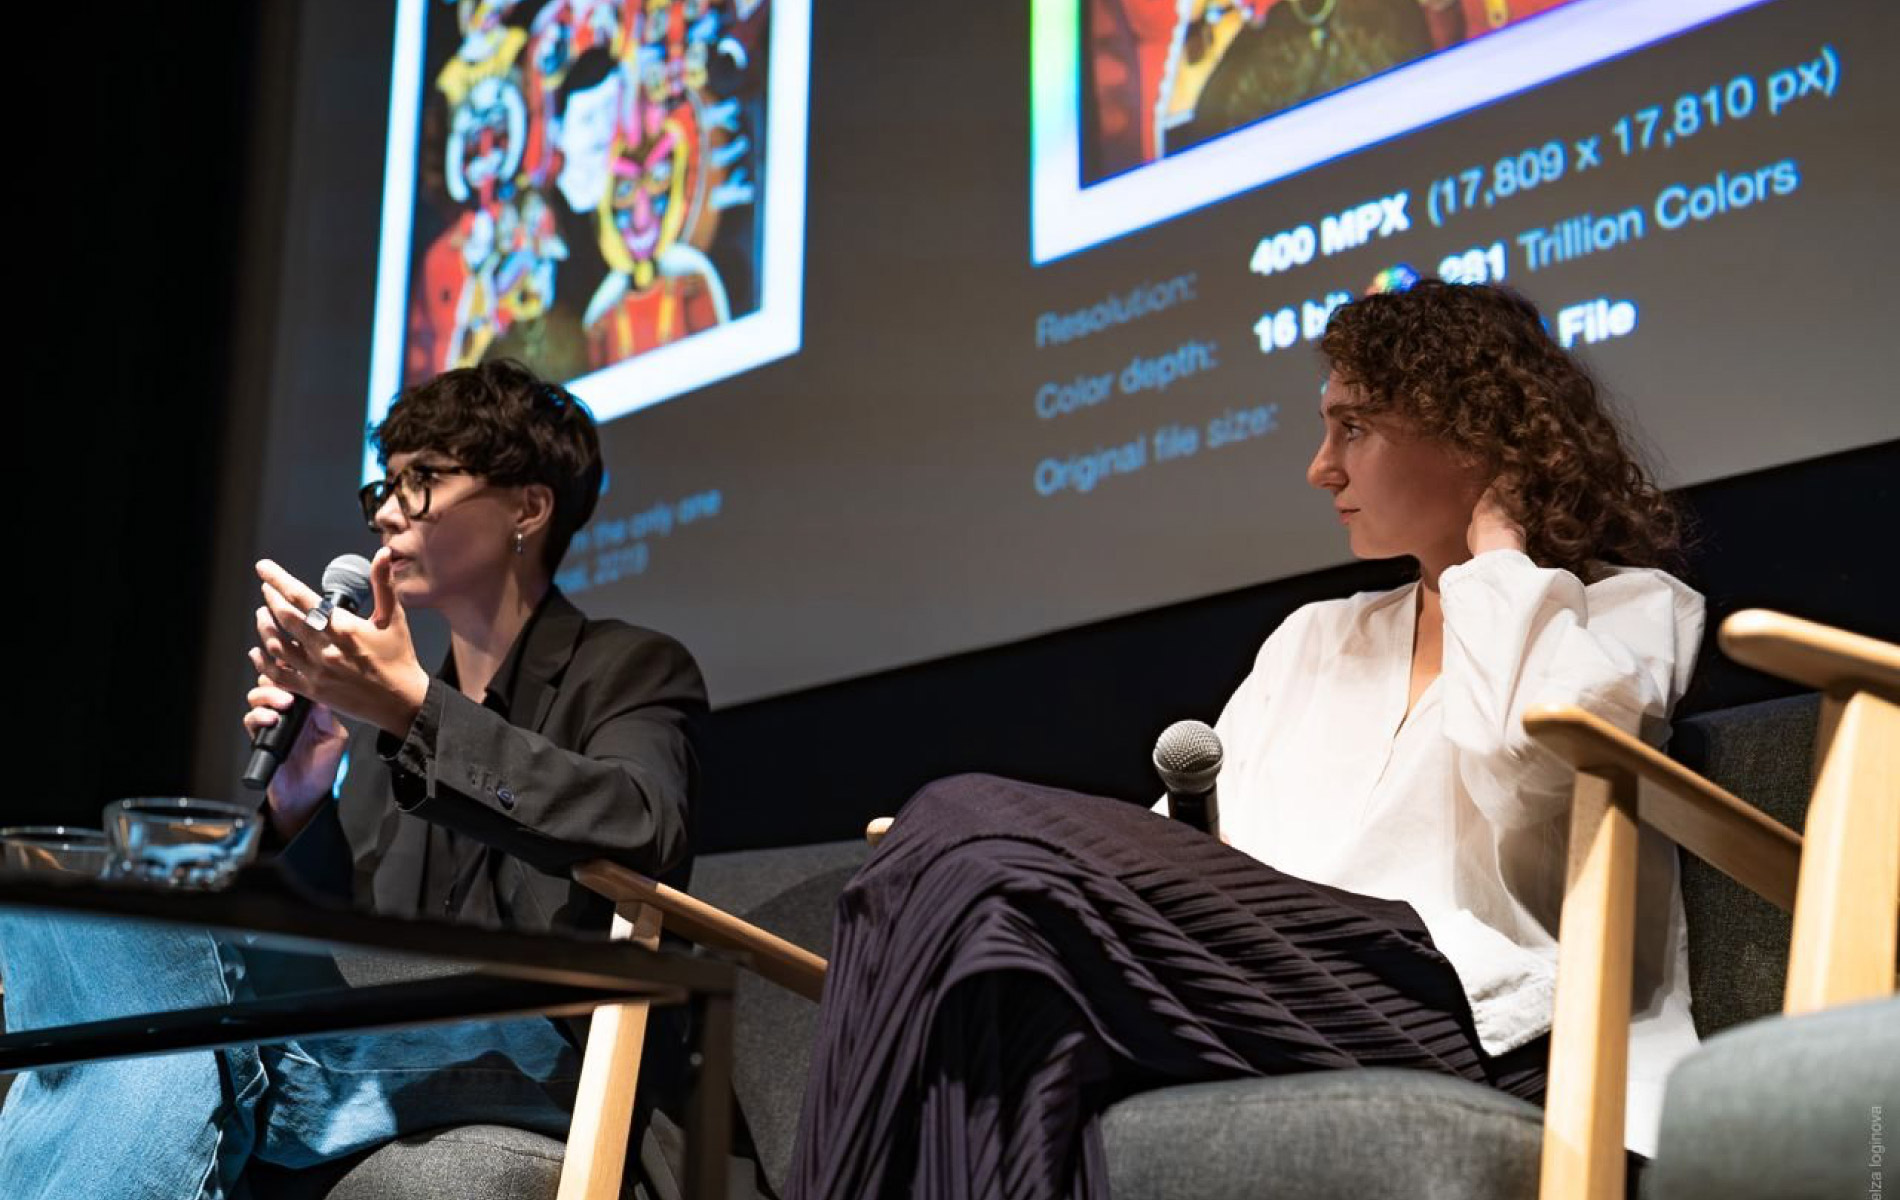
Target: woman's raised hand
x,y
1491,527
307,774
363,667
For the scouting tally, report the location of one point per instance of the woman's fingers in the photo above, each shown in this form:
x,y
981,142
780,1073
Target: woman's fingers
x,y
293,591
268,695
382,586
288,654
290,622
267,701
276,643
276,672
262,664
365,666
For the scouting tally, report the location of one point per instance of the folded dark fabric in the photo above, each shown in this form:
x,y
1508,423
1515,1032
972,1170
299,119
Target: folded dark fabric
x,y
1016,958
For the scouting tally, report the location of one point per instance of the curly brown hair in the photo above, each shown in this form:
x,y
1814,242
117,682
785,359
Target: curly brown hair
x,y
508,425
1474,367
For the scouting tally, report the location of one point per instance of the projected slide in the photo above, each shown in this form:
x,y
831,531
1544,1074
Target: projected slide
x,y
1049,358
609,190
1147,109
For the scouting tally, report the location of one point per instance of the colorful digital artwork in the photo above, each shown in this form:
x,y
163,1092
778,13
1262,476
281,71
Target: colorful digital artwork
x,y
611,191
1146,109
1163,76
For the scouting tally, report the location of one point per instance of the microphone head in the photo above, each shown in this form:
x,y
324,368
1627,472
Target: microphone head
x,y
1187,757
347,577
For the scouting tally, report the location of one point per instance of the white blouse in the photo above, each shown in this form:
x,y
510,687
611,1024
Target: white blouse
x,y
1453,808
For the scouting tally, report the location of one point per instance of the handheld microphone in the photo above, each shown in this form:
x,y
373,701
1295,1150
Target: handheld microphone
x,y
345,586
1188,757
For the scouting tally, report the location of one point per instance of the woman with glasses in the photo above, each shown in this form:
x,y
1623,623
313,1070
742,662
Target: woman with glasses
x,y
541,740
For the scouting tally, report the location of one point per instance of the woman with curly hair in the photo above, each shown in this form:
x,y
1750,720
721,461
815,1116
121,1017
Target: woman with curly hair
x,y
1473,371
1014,959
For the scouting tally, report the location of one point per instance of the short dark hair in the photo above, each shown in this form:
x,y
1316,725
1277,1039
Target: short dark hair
x,y
590,70
509,426
1473,366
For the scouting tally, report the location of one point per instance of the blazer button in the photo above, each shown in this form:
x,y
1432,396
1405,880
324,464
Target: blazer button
x,y
506,797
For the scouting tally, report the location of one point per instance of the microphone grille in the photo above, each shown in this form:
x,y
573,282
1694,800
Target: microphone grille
x,y
349,574
1188,756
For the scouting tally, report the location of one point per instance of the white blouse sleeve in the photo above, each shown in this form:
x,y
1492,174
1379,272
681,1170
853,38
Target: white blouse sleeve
x,y
1517,634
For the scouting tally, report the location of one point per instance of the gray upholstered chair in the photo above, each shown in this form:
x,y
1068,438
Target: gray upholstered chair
x,y
1797,1106
1331,1134
1363,1132
1785,1107
464,1162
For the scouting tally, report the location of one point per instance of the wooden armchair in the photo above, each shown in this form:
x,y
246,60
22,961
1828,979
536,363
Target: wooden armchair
x,y
1842,885
595,1162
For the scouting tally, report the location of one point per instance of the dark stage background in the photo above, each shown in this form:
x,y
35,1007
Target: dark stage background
x,y
178,199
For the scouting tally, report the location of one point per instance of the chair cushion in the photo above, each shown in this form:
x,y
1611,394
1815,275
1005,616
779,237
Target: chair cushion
x,y
1786,1108
1373,1132
467,1162
1738,942
793,893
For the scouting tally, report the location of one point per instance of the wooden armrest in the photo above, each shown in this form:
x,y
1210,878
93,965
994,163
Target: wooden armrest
x,y
875,831
1728,833
1819,656
787,964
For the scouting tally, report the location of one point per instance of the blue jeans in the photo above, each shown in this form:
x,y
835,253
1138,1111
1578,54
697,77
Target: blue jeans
x,y
186,1124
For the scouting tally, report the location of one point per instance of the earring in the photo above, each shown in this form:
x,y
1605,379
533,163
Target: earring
x,y
519,545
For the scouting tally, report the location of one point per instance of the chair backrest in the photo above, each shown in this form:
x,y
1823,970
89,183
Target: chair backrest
x,y
1738,942
792,892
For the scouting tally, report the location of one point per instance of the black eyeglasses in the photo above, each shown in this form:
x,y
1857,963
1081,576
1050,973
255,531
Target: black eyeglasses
x,y
411,487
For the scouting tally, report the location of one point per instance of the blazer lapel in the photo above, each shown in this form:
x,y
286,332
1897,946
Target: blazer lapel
x,y
547,648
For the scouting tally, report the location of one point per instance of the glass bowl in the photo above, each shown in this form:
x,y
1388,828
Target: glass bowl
x,y
180,842
53,848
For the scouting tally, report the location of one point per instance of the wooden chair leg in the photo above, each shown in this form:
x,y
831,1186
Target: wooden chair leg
x,y
1584,1100
603,1109
1843,949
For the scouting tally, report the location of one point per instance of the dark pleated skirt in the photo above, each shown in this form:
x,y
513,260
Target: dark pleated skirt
x,y
1014,959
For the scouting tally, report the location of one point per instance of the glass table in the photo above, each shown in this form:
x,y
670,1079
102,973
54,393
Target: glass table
x,y
453,972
